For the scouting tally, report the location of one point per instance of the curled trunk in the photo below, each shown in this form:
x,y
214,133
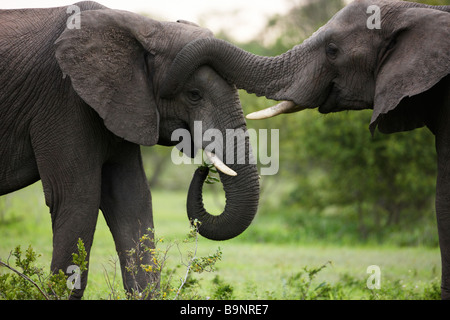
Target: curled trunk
x,y
241,193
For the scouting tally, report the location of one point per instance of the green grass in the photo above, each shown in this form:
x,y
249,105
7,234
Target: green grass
x,y
253,269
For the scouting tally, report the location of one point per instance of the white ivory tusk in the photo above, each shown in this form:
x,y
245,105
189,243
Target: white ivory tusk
x,y
219,164
273,111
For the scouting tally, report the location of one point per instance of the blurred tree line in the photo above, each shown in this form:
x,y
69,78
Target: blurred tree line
x,y
331,168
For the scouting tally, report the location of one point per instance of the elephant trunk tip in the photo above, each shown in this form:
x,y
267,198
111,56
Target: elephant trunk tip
x,y
240,209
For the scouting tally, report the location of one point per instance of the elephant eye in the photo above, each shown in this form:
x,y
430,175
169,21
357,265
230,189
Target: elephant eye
x,y
331,50
194,95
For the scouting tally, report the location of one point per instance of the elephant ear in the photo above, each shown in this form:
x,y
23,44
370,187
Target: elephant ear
x,y
417,59
109,69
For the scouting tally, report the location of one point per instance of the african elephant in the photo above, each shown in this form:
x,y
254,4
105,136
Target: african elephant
x,y
398,66
79,94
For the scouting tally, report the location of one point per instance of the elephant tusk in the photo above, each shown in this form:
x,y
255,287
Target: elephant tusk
x,y
216,162
282,107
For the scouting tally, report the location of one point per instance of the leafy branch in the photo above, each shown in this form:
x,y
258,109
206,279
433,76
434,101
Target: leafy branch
x,y
26,278
22,284
197,264
210,179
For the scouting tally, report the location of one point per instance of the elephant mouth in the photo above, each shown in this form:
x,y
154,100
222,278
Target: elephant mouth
x,y
329,104
336,100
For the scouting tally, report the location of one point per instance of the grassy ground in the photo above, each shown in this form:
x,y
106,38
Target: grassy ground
x,y
252,269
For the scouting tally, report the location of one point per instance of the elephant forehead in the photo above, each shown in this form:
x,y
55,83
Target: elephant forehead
x,y
205,77
356,13
181,33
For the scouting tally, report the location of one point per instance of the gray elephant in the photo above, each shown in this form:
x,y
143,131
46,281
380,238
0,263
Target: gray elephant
x,y
80,91
389,56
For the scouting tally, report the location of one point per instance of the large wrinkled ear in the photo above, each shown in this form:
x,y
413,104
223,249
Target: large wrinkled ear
x,y
109,69
417,59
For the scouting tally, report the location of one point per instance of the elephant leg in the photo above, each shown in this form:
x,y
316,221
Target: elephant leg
x,y
442,132
126,206
443,222
73,197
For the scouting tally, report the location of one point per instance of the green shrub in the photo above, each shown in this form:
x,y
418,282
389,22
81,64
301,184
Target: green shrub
x,y
223,291
32,283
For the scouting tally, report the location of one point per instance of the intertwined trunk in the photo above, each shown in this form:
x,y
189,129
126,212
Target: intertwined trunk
x,y
273,77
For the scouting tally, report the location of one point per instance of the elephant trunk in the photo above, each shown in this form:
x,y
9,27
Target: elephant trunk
x,y
241,193
272,77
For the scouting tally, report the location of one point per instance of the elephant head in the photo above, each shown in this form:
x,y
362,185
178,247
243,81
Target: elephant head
x,y
117,61
348,64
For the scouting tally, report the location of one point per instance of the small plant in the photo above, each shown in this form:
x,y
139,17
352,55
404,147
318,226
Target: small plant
x,y
32,283
79,259
197,264
301,283
223,291
400,290
165,289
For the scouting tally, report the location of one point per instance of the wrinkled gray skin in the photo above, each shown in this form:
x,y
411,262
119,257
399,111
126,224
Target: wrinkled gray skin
x,y
75,104
401,71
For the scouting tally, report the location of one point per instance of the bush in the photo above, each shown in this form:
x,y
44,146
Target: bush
x,y
32,283
167,289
